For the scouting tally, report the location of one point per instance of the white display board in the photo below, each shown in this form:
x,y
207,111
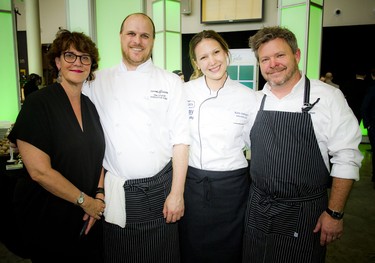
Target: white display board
x,y
244,67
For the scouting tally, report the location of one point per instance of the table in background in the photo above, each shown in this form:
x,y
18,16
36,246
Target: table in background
x,y
8,180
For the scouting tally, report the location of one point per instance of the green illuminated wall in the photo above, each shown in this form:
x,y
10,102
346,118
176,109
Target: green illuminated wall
x,y
314,41
9,85
363,129
305,19
167,48
80,16
294,18
108,21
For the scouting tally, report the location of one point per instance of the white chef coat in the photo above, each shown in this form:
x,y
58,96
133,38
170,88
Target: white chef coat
x,y
143,114
335,126
220,124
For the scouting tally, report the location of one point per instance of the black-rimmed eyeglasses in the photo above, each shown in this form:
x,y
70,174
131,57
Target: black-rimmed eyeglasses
x,y
71,58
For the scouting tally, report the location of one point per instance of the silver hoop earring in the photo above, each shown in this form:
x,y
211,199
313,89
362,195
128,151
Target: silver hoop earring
x,y
59,79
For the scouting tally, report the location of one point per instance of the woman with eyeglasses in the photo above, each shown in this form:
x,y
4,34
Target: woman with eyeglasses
x,y
61,142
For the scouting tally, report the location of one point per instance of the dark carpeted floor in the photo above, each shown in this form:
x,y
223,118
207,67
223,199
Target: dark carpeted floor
x,y
357,245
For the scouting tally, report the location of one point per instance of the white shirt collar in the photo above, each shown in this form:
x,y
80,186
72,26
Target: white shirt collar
x,y
299,85
146,66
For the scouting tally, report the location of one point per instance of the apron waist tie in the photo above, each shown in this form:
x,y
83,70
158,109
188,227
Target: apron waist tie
x,y
146,184
206,187
141,187
288,199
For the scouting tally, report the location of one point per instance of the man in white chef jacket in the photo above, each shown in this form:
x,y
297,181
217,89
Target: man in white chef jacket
x,y
143,111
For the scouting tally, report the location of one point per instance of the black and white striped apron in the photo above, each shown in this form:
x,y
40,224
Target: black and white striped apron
x,y
146,236
288,191
212,228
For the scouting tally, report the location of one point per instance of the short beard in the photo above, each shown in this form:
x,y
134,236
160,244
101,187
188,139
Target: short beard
x,y
285,79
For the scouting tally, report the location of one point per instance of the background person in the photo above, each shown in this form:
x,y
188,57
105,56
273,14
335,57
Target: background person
x,y
322,78
143,110
329,80
290,217
180,74
32,84
221,113
355,90
61,142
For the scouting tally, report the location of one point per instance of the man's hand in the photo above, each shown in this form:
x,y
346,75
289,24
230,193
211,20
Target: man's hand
x,y
331,229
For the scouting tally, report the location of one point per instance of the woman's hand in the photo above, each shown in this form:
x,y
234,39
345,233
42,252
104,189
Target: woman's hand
x,y
93,207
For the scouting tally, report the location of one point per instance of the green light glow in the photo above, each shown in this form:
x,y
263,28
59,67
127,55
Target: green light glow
x,y
295,10
294,18
6,5
167,48
78,16
108,22
9,87
158,51
364,131
173,45
314,42
308,33
173,20
158,15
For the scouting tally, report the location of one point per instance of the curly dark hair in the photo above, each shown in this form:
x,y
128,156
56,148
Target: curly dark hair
x,y
66,39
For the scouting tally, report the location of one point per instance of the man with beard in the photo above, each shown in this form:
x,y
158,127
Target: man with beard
x,y
301,122
144,116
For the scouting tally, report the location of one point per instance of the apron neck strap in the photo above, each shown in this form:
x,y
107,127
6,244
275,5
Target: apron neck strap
x,y
306,97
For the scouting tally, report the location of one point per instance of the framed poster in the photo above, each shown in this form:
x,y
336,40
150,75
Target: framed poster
x,y
243,67
224,11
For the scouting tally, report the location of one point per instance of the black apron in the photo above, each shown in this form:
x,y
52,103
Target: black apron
x,y
146,238
212,228
289,188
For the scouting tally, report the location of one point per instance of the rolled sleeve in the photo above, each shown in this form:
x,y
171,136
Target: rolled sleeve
x,y
343,141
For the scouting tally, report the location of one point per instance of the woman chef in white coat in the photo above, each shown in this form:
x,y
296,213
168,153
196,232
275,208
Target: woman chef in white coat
x,y
221,113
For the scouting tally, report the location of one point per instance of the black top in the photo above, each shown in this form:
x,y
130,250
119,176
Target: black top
x,y
48,122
